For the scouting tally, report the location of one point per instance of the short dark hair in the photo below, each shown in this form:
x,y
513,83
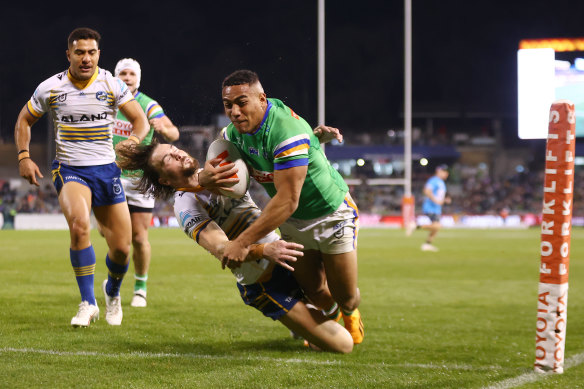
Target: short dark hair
x,y
240,77
83,33
137,157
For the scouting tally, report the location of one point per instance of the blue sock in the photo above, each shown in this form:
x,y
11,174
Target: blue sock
x,y
83,262
115,277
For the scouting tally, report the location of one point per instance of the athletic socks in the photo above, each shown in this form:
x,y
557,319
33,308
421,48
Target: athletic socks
x,y
115,277
140,283
83,262
333,313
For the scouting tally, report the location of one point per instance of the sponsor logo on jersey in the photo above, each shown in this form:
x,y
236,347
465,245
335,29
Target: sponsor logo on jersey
x,y
62,97
100,95
294,115
253,151
83,118
262,177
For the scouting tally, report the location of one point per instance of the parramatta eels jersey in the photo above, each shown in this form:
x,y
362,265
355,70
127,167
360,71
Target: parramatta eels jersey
x,y
82,116
194,212
285,140
123,128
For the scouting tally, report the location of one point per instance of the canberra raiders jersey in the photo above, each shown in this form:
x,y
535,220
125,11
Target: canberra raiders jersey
x,y
194,212
285,140
123,128
83,113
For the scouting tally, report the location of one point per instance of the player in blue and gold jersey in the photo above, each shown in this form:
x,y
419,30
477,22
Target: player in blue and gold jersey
x,y
82,102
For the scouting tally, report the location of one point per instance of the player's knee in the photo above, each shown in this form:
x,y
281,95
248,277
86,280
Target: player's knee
x,y
79,229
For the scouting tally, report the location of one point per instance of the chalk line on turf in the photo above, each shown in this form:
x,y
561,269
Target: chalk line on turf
x,y
532,376
129,355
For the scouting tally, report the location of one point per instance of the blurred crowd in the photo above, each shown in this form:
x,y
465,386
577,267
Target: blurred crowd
x,y
473,191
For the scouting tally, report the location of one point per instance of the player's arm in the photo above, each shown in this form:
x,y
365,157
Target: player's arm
x,y
288,183
27,168
213,239
165,128
135,115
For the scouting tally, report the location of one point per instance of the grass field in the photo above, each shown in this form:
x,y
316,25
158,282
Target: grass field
x,y
460,318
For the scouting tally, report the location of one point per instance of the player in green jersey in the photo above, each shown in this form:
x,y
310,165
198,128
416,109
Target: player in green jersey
x,y
310,202
141,206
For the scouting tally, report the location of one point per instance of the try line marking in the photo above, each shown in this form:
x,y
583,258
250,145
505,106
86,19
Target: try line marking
x,y
437,366
532,376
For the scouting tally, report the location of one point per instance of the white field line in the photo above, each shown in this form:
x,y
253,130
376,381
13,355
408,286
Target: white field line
x,y
130,355
532,376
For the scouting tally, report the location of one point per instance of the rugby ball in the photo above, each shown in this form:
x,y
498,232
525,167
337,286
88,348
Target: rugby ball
x,y
228,153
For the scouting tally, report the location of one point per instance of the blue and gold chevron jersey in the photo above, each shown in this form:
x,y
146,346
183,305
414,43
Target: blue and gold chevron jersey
x,y
285,140
194,212
83,114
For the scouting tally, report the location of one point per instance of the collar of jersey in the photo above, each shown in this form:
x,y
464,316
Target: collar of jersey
x,y
137,93
82,84
264,119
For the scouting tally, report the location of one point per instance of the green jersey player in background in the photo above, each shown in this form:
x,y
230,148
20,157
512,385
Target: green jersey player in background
x,y
141,206
310,202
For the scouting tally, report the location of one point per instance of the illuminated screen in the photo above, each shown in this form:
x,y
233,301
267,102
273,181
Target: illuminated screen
x,y
545,76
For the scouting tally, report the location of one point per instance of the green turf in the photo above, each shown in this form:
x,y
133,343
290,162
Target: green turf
x,y
460,318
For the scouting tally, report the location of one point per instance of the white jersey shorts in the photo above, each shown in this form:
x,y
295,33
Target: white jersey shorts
x,y
135,198
331,234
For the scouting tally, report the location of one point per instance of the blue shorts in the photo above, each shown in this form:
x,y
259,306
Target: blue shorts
x,y
275,297
434,217
102,180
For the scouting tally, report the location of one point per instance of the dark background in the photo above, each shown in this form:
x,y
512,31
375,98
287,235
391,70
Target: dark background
x,y
464,53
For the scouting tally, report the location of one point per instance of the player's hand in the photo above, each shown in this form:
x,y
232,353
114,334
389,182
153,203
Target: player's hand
x,y
156,123
29,171
447,200
216,176
281,251
234,254
325,134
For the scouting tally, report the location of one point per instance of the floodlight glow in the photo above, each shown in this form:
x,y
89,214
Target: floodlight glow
x,y
536,91
423,162
360,162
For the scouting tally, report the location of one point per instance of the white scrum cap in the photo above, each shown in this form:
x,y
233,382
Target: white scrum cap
x,y
129,63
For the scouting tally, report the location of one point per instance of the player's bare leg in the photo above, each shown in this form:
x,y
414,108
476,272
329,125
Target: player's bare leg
x,y
310,275
75,201
117,230
342,274
141,254
317,329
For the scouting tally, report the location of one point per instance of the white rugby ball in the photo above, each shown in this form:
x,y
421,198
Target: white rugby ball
x,y
227,151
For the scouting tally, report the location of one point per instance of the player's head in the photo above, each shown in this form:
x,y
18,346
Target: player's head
x,y
83,52
244,100
129,71
442,171
165,167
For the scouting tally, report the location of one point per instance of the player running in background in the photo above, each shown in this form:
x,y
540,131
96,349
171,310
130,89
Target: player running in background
x,y
141,206
83,102
310,201
435,197
212,219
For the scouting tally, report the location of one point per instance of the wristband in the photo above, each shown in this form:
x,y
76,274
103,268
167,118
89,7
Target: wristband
x,y
23,154
256,251
134,138
22,159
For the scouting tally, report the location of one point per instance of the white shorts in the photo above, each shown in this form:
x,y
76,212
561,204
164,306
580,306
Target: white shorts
x,y
135,198
330,234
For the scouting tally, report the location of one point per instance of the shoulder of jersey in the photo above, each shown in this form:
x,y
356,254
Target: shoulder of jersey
x,y
227,151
